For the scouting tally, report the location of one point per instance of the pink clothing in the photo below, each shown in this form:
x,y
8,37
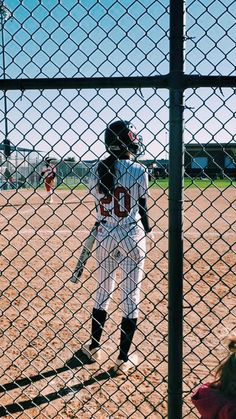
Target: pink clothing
x,y
212,404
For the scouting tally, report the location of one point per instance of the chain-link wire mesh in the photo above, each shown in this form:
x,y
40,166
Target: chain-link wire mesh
x,y
45,317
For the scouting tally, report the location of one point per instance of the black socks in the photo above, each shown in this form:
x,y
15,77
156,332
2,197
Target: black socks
x,y
98,321
128,327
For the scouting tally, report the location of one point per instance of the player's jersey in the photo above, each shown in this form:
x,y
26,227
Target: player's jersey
x,y
121,207
49,171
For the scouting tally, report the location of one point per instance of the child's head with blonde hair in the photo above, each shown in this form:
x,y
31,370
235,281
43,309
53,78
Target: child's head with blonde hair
x,y
226,372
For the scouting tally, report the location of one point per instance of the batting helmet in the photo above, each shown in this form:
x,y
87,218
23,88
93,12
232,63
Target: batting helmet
x,y
120,136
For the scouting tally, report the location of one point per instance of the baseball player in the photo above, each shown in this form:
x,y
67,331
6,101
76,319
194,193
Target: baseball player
x,y
119,186
49,175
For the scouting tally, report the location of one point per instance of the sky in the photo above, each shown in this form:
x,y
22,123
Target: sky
x,y
107,38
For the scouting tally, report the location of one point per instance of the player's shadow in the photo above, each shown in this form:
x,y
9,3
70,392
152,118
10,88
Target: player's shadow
x,y
77,360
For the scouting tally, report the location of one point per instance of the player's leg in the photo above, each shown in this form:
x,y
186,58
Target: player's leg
x,y
98,321
107,266
128,327
52,184
130,286
48,188
49,185
50,192
132,265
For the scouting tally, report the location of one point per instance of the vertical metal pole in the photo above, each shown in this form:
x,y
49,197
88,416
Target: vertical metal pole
x,y
176,165
4,14
4,75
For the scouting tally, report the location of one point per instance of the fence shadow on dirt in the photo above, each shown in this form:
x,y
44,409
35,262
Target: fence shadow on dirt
x,y
73,363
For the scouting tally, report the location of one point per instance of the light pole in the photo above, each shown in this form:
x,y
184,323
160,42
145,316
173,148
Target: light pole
x,y
4,15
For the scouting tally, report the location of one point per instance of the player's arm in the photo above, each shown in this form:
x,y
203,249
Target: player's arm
x,y
142,202
143,211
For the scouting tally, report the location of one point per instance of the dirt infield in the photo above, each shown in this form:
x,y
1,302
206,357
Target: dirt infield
x,y
45,317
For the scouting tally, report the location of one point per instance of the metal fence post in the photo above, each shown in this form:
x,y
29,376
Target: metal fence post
x,y
176,210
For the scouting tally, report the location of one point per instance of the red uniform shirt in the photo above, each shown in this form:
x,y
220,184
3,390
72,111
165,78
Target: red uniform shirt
x,y
212,404
49,173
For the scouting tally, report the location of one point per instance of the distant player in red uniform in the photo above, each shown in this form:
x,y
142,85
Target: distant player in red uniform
x,y
49,175
217,400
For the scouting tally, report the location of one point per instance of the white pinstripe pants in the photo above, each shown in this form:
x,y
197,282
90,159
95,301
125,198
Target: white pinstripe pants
x,y
122,247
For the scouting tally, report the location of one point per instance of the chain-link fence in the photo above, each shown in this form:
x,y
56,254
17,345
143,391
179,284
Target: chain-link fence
x,y
68,69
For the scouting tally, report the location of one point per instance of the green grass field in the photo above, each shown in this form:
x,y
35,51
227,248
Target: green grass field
x,y
193,183
164,183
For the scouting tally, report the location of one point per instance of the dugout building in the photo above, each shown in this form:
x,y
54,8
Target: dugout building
x,y
23,163
210,160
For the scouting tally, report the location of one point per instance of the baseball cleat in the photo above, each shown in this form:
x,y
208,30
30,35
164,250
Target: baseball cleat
x,y
92,354
124,367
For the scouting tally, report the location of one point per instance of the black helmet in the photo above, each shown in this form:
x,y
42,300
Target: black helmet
x,y
120,136
48,159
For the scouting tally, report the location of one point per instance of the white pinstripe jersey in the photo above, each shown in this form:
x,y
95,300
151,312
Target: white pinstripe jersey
x,y
121,207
